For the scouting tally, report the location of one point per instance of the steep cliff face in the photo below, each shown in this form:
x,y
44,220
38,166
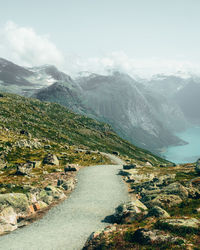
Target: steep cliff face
x,y
135,113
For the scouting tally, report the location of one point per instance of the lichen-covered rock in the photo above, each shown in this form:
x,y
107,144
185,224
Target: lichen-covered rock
x,y
128,210
8,216
18,201
158,212
164,200
51,159
153,237
177,189
182,224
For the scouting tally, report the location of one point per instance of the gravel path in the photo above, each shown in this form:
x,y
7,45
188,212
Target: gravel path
x,y
68,225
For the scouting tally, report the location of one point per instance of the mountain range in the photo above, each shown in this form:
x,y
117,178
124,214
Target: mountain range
x,y
148,113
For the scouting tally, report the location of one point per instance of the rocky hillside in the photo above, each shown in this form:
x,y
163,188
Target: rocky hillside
x,y
42,145
164,211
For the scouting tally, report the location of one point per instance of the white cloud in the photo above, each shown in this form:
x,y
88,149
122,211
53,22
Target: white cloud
x,y
135,67
24,46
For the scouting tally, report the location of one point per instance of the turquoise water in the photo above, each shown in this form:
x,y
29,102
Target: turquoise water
x,y
185,153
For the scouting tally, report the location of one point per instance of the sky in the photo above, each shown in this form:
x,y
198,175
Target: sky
x,y
137,36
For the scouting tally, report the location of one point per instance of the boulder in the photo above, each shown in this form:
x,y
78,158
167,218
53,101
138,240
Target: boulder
x,y
197,167
51,159
164,200
18,201
153,237
186,225
8,216
6,228
158,212
177,189
127,211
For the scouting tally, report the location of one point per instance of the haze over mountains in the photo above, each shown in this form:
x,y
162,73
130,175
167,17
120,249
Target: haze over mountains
x,y
146,113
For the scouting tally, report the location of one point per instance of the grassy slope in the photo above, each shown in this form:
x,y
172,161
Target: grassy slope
x,y
58,125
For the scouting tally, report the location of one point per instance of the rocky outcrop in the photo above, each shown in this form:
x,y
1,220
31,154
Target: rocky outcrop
x,y
158,212
25,143
154,237
164,200
184,225
128,211
66,184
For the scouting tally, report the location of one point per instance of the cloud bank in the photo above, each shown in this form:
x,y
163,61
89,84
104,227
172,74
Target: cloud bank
x,y
23,46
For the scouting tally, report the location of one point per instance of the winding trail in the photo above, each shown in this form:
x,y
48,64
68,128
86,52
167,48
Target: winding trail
x,y
68,225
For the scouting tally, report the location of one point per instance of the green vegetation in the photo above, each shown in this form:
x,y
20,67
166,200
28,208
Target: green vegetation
x,y
57,126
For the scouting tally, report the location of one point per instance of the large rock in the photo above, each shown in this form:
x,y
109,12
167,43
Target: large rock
x,y
66,184
197,167
164,200
55,192
153,236
127,211
6,228
8,216
186,225
18,201
177,189
158,212
51,159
